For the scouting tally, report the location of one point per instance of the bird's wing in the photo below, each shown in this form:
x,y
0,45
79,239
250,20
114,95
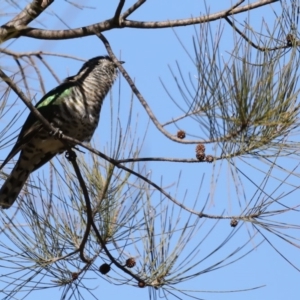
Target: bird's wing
x,y
47,106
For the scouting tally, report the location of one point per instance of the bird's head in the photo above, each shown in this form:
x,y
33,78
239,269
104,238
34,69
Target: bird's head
x,y
99,65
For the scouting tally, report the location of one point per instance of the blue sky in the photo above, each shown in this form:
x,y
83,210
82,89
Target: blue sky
x,y
148,55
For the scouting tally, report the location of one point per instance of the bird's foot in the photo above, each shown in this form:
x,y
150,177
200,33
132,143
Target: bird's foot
x,y
57,133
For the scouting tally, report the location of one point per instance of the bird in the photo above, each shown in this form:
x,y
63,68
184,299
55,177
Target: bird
x,y
74,108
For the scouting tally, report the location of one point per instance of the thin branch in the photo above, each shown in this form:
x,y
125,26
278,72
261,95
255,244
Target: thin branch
x,y
71,156
27,102
112,259
39,75
164,159
198,20
133,8
49,69
118,11
263,49
174,120
229,11
23,76
38,53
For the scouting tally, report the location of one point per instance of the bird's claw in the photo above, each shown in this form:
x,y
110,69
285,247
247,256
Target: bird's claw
x,y
57,133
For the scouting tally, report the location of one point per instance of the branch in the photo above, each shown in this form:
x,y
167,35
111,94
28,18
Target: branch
x,y
27,15
110,24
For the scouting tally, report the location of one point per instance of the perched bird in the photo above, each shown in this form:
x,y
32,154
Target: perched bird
x,y
73,107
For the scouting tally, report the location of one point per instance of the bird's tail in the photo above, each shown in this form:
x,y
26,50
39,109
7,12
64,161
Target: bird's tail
x,y
13,185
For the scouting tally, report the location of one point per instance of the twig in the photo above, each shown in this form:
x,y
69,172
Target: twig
x,y
234,6
263,49
133,8
71,156
118,11
112,259
164,159
49,68
23,76
39,75
32,108
38,53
